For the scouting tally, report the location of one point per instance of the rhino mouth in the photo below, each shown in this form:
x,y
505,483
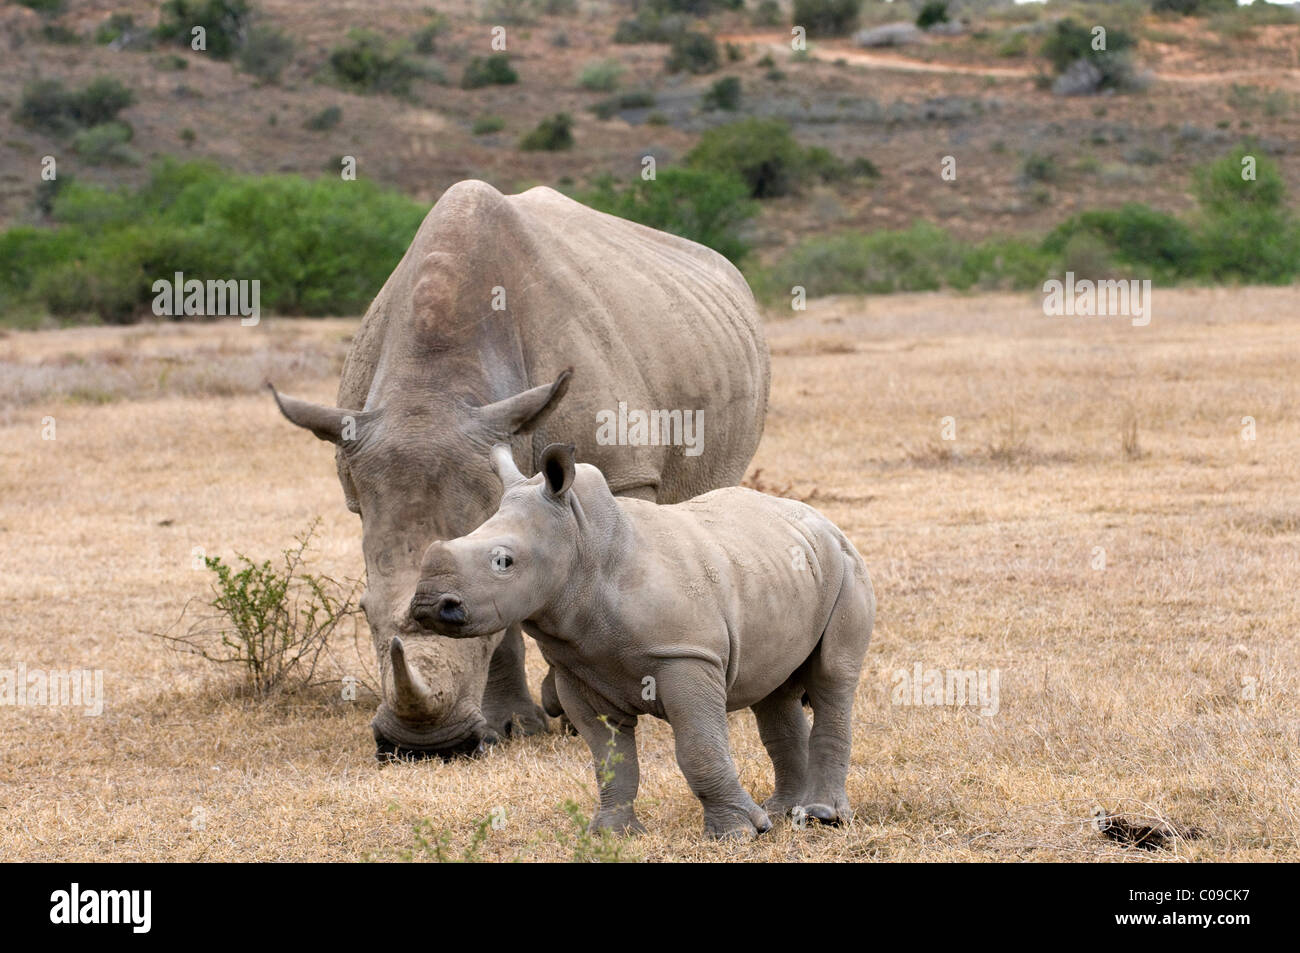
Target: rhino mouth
x,y
397,739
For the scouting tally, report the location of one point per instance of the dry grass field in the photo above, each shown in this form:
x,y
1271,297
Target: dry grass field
x,y
1164,684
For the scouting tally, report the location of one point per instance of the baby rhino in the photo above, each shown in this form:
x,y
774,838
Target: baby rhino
x,y
730,600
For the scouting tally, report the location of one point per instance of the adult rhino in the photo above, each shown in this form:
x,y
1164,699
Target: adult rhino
x,y
520,319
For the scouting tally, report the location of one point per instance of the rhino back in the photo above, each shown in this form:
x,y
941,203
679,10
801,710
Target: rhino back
x,y
643,317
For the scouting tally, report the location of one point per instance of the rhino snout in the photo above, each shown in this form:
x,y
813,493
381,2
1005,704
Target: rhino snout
x,y
443,613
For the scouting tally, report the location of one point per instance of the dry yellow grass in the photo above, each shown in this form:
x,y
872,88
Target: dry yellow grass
x,y
1127,686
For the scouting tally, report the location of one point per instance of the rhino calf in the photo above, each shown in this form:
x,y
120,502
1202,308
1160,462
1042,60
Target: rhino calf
x,y
730,600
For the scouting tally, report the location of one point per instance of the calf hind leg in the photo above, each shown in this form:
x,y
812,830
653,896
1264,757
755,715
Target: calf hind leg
x,y
831,678
784,729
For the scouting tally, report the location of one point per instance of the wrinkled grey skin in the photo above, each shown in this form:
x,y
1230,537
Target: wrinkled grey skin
x,y
594,306
731,600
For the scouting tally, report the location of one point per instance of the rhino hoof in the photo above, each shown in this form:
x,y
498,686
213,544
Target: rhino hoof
x,y
822,813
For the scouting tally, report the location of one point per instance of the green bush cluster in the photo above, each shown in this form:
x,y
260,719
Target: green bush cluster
x,y
318,247
1242,231
1069,41
369,63
225,24
707,207
494,70
49,106
552,134
826,17
764,155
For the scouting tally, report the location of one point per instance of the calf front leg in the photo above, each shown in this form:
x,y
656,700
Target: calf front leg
x,y
614,752
694,697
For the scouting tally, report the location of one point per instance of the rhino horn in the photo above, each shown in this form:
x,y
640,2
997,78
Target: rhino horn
x,y
503,462
410,694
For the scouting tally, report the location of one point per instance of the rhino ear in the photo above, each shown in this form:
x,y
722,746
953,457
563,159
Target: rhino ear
x,y
503,462
523,412
328,423
557,468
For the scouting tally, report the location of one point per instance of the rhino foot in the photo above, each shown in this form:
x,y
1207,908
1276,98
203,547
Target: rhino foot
x,y
779,805
521,723
824,813
736,823
620,821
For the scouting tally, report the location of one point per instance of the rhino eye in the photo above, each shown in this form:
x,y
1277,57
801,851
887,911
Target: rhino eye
x,y
501,560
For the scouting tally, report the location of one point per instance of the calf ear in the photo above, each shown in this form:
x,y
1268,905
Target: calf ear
x,y
524,411
503,462
557,468
328,423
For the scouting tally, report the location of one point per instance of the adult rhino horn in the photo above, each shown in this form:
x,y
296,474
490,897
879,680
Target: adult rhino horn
x,y
410,694
328,423
503,462
524,411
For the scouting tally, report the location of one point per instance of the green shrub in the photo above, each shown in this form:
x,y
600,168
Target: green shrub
x,y
318,247
1247,231
114,28
368,63
706,207
767,13
1135,235
327,118
266,53
932,12
1069,41
172,62
692,52
47,105
425,39
272,624
601,76
106,144
826,17
650,27
723,94
494,70
633,99
553,134
1192,7
485,125
760,152
1040,168
225,23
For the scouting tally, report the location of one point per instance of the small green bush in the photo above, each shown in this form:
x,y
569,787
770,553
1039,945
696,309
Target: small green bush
x,y
706,207
425,39
601,76
494,70
760,152
650,27
932,12
553,134
692,52
368,63
1193,7
327,118
826,17
266,53
486,125
106,144
1069,41
225,23
633,99
47,105
723,94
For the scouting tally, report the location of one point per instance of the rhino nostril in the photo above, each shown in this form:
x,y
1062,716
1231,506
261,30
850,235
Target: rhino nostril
x,y
445,610
451,610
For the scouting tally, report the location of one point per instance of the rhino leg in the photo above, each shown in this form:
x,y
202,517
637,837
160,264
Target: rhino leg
x,y
614,752
551,703
508,707
831,678
694,697
784,729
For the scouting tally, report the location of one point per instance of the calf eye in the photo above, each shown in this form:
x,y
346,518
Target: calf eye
x,y
501,560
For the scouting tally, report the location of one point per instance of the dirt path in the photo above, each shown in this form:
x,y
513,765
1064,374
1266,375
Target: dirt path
x,y
777,42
